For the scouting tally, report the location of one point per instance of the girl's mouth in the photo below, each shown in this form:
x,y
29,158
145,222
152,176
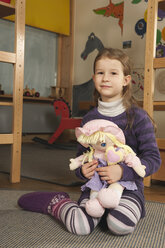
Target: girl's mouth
x,y
105,86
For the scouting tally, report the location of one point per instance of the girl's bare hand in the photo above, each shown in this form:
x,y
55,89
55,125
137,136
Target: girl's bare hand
x,y
111,173
88,169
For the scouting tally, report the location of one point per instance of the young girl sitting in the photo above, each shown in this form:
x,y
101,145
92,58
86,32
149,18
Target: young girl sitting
x,y
112,79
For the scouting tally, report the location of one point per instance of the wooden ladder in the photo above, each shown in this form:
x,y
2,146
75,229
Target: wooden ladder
x,y
151,64
17,59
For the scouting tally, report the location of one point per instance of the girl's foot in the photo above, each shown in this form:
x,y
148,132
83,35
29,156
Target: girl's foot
x,y
39,201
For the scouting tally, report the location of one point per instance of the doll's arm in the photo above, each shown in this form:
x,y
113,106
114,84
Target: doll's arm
x,y
114,155
133,161
76,162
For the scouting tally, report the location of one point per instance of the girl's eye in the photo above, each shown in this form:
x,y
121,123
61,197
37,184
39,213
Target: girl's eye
x,y
103,144
114,73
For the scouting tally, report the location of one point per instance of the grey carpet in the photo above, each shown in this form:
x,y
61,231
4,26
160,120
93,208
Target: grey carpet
x,y
23,229
42,163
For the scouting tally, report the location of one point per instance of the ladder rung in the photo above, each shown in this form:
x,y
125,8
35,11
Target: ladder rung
x,y
6,138
159,63
6,103
7,57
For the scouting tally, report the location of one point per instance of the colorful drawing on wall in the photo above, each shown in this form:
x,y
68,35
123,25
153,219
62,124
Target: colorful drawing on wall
x,y
137,1
127,44
114,10
161,14
160,51
92,43
138,84
160,47
161,10
140,27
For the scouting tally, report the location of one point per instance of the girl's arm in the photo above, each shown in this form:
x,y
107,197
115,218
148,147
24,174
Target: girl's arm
x,y
145,144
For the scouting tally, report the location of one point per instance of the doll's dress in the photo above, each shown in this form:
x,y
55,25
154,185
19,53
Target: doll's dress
x,y
96,184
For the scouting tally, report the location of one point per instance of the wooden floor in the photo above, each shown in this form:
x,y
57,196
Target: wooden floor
x,y
154,193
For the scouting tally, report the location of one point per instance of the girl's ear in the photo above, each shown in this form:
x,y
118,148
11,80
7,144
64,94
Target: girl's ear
x,y
127,80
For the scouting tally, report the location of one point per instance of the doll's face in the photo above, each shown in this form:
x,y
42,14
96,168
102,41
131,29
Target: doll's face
x,y
102,146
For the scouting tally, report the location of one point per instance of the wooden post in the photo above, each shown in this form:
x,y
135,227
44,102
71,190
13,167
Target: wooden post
x,y
65,58
149,59
18,90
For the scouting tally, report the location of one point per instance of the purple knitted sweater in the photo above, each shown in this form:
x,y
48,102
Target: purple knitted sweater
x,y
141,138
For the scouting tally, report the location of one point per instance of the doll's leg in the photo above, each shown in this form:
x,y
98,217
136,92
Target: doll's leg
x,y
61,207
123,219
110,197
93,206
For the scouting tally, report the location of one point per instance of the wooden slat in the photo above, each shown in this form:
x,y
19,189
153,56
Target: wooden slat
x,y
149,74
160,1
6,138
159,63
6,9
161,143
6,103
149,56
7,57
18,91
65,58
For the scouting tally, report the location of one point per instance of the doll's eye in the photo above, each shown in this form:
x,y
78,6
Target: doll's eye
x,y
103,144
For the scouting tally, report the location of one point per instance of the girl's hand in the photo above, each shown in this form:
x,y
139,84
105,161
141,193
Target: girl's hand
x,y
88,169
111,173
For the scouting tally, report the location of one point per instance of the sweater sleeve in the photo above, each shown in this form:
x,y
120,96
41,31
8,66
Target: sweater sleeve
x,y
146,147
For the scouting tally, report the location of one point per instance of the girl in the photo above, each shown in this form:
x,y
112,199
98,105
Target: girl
x,y
112,79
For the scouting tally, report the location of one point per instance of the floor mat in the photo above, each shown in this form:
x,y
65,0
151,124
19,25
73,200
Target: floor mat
x,y
42,163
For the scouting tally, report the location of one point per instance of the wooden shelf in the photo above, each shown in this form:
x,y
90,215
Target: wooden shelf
x,y
6,9
25,98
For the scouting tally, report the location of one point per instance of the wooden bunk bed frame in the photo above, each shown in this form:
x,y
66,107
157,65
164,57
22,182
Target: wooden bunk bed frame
x,y
151,64
17,59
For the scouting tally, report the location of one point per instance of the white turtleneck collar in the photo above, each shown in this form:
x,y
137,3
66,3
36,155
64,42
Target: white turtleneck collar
x,y
111,109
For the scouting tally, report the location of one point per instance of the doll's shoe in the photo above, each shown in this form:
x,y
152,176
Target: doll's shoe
x,y
109,198
94,208
39,201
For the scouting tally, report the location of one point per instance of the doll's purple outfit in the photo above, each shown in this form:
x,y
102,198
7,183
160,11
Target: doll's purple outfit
x,y
96,184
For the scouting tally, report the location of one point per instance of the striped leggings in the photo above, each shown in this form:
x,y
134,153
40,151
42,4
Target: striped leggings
x,y
120,221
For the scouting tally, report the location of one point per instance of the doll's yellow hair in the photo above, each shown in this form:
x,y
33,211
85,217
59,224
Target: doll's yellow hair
x,y
100,136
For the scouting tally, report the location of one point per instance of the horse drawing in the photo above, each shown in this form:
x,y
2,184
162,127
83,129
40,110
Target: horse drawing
x,y
62,109
92,43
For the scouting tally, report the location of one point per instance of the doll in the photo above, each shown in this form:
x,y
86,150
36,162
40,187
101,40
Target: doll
x,y
106,143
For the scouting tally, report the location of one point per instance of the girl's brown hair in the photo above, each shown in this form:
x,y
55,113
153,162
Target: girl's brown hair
x,y
128,99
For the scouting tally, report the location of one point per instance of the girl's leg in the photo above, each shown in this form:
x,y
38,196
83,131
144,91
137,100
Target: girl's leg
x,y
61,207
75,218
123,219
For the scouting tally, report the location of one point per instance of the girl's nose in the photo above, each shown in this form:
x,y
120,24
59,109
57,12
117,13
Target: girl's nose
x,y
106,77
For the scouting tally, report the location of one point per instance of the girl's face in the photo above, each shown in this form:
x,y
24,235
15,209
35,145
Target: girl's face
x,y
109,79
